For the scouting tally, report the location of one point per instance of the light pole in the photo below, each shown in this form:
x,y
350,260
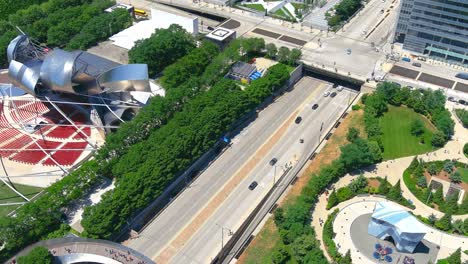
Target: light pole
x,y
230,233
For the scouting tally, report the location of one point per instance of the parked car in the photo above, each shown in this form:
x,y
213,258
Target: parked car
x,y
315,106
335,85
462,75
416,64
273,161
451,99
326,94
332,94
298,120
253,185
340,88
406,59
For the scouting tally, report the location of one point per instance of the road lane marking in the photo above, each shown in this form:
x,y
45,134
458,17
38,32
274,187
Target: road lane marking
x,y
184,235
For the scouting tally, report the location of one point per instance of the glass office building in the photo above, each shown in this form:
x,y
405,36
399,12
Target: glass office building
x,y
436,28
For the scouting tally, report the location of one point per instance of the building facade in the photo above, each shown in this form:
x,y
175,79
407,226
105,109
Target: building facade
x,y
436,28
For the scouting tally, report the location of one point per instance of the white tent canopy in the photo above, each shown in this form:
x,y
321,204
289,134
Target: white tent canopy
x,y
143,30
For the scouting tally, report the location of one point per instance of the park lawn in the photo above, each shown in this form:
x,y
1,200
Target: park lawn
x,y
280,13
286,11
257,7
298,5
8,196
464,174
396,133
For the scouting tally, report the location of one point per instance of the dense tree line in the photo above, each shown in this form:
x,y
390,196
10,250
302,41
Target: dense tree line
x,y
343,11
164,47
68,24
293,220
150,165
39,255
8,7
426,102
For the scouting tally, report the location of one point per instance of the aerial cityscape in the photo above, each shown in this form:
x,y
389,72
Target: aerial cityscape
x,y
234,131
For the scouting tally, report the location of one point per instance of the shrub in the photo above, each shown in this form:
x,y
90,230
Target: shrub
x,y
358,184
328,236
465,149
353,134
438,139
355,107
449,166
332,200
39,255
432,169
344,194
280,255
422,182
456,177
444,223
384,186
417,127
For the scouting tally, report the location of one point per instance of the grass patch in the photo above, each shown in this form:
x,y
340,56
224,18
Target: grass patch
x,y
257,7
280,13
298,5
9,196
397,138
261,247
464,174
286,11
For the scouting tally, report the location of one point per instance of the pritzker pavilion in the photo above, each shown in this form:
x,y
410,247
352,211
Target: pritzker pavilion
x,y
389,220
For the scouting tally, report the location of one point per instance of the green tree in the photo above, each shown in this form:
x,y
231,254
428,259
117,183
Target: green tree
x,y
346,259
417,127
163,48
465,149
458,226
332,200
358,154
432,169
394,193
280,255
271,50
449,166
383,186
455,258
358,184
294,56
353,134
421,182
445,222
438,139
456,177
432,219
39,255
301,246
283,55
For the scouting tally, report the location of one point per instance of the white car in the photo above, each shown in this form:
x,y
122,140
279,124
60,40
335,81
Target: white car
x,y
326,94
340,88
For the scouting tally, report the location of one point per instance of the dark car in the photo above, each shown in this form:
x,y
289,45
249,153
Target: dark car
x,y
335,85
315,106
463,102
253,185
298,120
210,28
416,64
273,161
332,94
462,75
451,99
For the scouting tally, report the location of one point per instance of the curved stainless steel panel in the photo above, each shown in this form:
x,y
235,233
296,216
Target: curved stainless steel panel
x,y
13,46
131,77
57,71
23,77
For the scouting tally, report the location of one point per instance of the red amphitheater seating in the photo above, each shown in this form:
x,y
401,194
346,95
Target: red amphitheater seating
x,y
15,144
61,132
67,157
32,154
86,131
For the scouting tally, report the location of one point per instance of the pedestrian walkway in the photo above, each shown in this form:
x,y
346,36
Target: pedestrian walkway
x,y
361,205
393,170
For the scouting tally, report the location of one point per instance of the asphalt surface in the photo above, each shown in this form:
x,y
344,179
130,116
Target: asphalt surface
x,y
182,210
206,242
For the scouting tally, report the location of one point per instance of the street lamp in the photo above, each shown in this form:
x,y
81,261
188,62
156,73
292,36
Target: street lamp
x,y
230,233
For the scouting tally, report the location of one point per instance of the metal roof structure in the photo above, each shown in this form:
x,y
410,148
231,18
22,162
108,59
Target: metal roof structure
x,y
390,220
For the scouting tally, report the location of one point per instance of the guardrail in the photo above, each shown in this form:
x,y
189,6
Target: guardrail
x,y
242,236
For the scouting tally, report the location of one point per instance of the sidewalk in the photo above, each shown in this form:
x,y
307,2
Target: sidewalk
x,y
394,169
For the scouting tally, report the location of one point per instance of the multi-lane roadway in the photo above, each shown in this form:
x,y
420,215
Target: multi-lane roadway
x,y
193,228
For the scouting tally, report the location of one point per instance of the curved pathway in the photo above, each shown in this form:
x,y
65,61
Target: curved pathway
x,y
394,169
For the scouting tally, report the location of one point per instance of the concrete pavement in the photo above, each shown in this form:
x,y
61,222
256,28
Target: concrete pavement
x,y
185,209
